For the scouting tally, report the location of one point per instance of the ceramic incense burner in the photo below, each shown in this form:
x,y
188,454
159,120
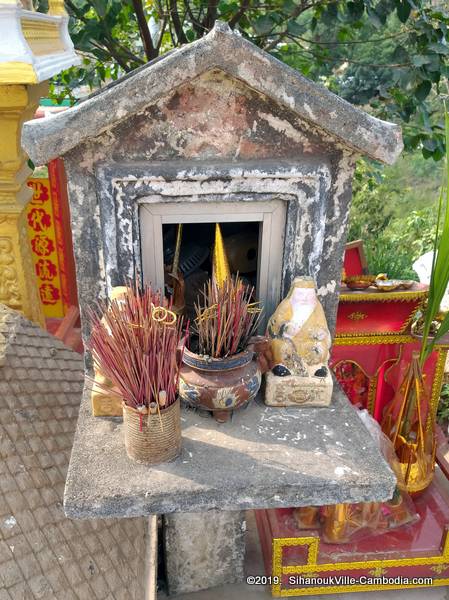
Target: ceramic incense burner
x,y
221,385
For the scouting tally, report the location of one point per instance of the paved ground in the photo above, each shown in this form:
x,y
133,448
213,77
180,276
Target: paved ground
x,y
43,555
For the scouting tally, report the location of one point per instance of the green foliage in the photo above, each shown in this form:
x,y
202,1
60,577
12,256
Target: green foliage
x,y
443,406
393,241
394,213
390,55
439,278
385,255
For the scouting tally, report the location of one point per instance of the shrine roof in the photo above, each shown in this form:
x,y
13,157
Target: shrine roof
x,y
223,49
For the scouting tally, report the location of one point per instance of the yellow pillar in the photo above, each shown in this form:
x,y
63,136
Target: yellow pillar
x,y
33,48
18,284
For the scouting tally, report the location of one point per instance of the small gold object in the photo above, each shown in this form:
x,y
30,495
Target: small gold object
x,y
387,285
408,422
163,315
359,282
357,316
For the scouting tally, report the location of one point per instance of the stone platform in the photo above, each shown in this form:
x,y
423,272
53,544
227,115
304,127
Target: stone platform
x,y
264,458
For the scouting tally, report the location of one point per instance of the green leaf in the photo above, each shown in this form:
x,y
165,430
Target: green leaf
x,y
423,90
400,55
330,13
430,144
439,48
403,10
426,153
344,34
263,24
439,278
436,63
419,60
375,18
355,10
295,28
414,141
100,7
289,7
227,8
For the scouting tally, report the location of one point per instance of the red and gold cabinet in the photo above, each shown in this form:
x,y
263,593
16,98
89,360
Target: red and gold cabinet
x,y
363,313
373,346
372,349
299,563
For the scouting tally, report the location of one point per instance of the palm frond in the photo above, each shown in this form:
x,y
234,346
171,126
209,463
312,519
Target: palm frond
x,y
439,278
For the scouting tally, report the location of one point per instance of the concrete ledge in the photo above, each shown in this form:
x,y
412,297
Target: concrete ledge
x,y
264,458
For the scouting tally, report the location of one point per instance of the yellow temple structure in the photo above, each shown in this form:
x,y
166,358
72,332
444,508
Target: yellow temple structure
x,y
33,47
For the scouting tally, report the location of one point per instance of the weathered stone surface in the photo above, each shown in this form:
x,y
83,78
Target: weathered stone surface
x,y
306,188
213,139
231,53
203,550
264,457
171,130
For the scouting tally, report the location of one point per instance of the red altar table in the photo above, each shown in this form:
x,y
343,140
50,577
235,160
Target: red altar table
x,y
419,552
371,351
373,346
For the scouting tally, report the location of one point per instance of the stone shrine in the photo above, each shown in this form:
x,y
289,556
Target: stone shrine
x,y
216,131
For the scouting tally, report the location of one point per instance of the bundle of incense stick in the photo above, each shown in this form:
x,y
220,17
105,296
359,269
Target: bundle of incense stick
x,y
226,318
136,343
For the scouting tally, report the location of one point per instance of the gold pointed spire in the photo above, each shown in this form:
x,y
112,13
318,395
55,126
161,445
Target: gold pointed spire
x,y
220,264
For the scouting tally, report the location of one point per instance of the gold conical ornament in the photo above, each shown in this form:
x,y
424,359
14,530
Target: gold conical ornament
x,y
220,265
409,423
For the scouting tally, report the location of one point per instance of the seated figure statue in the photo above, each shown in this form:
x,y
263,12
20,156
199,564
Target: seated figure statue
x,y
300,344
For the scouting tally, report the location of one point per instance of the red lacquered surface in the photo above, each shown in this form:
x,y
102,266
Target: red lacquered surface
x,y
372,360
371,312
414,550
354,259
384,365
61,211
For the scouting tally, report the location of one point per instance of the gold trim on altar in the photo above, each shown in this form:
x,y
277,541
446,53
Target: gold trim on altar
x,y
315,569
402,296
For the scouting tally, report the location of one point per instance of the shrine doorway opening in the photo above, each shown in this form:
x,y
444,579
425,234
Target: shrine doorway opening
x,y
253,235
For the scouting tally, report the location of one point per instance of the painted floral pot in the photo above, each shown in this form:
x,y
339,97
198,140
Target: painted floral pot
x,y
219,385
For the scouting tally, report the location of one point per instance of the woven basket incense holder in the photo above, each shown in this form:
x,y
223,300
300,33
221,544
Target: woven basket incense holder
x,y
152,438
